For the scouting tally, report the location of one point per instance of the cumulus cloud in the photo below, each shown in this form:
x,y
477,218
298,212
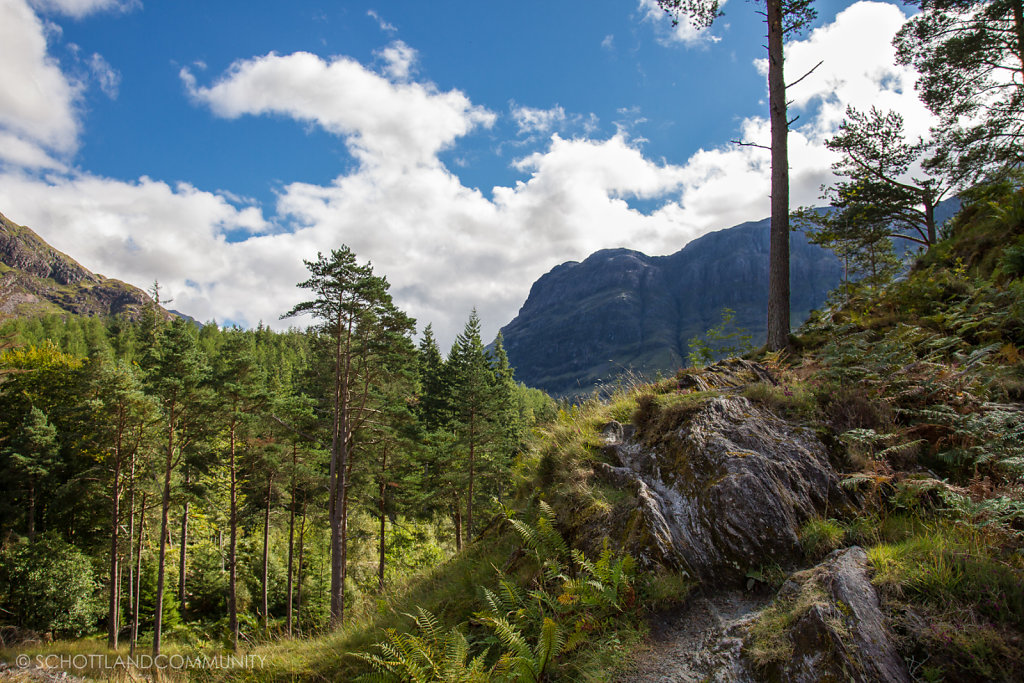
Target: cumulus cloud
x,y
37,101
531,120
857,67
399,60
81,8
384,122
444,247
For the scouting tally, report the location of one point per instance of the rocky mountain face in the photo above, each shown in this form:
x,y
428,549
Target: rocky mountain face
x,y
586,323
36,279
619,311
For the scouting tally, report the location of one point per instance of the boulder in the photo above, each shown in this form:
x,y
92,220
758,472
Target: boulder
x,y
838,631
725,490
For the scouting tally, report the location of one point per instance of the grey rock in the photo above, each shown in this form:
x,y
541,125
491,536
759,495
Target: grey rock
x,y
845,637
726,492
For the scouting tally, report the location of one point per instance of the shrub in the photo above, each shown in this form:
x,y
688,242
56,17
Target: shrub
x,y
48,586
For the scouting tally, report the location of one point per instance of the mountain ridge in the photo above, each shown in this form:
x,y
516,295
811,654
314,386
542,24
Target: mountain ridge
x,y
620,311
37,279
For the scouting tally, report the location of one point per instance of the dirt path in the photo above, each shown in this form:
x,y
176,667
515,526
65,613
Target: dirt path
x,y
698,642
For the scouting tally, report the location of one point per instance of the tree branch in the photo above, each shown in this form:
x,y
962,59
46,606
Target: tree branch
x,y
813,68
749,144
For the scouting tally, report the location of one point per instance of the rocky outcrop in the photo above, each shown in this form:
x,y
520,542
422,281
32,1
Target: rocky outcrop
x,y
24,250
726,488
823,626
838,631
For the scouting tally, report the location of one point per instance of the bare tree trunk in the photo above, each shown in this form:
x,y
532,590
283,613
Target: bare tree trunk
x,y
1018,25
266,554
131,538
115,572
302,537
472,474
291,537
929,221
31,509
778,255
165,506
233,543
383,525
181,554
458,524
138,575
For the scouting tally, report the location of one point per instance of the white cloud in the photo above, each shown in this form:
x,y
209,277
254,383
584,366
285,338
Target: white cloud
x,y
146,230
108,78
608,43
384,122
81,8
444,247
531,120
384,25
682,32
37,101
399,60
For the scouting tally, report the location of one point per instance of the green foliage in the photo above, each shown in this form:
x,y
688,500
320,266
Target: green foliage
x,y
48,586
821,536
724,340
571,599
431,655
964,52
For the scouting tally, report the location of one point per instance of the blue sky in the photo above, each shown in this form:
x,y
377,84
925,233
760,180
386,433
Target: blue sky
x,y
465,148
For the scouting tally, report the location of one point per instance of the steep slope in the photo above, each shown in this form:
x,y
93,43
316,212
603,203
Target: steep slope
x,y
619,310
586,323
36,279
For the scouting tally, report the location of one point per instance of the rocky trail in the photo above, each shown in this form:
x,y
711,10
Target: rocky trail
x,y
700,641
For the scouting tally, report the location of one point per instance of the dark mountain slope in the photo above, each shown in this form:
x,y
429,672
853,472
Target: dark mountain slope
x,y
36,279
619,310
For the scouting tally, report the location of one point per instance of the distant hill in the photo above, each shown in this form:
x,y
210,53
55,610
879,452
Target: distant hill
x,y
36,279
619,310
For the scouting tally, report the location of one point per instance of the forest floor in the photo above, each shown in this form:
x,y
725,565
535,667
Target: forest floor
x,y
699,640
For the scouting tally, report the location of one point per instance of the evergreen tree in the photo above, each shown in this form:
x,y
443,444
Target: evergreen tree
x,y
177,371
361,324
240,390
476,406
879,198
118,415
32,455
970,54
434,405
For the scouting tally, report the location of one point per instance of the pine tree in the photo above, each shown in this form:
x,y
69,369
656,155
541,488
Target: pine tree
x,y
475,404
117,417
361,325
879,194
32,455
176,376
970,54
240,390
